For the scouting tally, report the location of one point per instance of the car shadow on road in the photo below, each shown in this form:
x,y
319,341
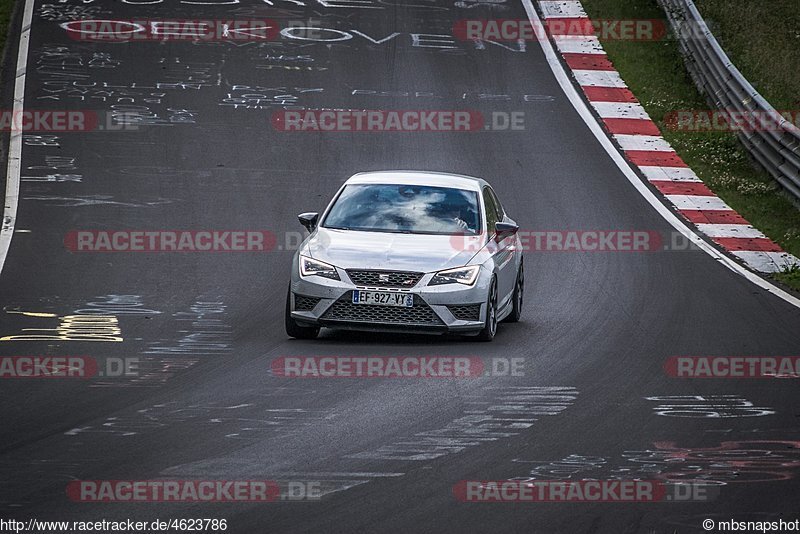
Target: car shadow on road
x,y
329,337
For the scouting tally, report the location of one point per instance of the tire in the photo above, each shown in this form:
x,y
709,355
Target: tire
x,y
490,327
292,328
517,297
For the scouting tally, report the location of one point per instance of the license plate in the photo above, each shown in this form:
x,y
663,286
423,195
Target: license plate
x,y
383,298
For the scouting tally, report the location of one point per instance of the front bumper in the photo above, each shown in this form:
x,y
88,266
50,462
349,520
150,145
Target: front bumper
x,y
440,309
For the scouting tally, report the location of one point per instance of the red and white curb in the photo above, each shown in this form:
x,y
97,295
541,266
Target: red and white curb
x,y
640,140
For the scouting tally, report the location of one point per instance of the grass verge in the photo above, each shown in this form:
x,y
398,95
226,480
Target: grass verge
x,y
655,72
6,11
763,40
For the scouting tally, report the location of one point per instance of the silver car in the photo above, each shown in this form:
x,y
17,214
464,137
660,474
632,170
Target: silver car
x,y
407,251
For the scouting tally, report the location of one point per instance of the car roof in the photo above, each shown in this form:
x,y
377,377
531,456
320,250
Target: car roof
x,y
436,179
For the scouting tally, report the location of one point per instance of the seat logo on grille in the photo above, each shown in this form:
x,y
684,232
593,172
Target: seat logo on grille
x,y
383,277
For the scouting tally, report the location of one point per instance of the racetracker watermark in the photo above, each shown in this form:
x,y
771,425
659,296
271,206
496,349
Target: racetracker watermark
x,y
48,121
172,30
395,367
189,491
733,366
66,367
170,241
361,120
546,241
731,120
173,491
523,30
267,241
573,241
581,491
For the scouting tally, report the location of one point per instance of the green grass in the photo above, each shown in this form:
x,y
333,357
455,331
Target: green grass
x,y
6,8
655,72
763,40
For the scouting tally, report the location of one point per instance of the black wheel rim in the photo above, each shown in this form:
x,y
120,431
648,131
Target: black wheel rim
x,y
493,310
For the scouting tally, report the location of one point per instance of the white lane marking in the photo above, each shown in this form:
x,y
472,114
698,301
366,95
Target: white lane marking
x,y
768,262
672,174
620,110
730,230
580,106
579,44
593,78
562,9
655,143
698,202
15,139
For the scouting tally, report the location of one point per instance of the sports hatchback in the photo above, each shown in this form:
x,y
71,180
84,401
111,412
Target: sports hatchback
x,y
407,251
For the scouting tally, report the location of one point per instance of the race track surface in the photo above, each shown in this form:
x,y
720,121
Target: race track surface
x,y
200,152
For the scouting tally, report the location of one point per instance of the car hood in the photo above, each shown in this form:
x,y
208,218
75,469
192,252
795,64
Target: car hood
x,y
350,249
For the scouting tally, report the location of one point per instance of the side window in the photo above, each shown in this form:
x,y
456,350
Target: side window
x,y
491,210
500,213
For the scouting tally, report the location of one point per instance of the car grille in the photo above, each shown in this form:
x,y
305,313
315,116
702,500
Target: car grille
x,y
303,303
402,279
344,310
466,312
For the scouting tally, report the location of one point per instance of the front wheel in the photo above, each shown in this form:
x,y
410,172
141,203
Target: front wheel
x,y
490,327
292,328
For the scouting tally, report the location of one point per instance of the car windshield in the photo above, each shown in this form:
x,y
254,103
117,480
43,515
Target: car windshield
x,y
412,209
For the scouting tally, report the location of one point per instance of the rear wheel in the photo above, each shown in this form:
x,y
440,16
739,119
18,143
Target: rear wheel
x,y
490,327
516,298
292,328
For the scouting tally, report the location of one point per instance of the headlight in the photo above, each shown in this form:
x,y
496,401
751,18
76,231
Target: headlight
x,y
311,267
460,275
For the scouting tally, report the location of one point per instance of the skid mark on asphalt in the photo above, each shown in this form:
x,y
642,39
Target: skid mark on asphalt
x,y
201,330
149,372
731,462
204,328
241,422
708,406
63,12
495,413
491,414
47,474
96,200
117,305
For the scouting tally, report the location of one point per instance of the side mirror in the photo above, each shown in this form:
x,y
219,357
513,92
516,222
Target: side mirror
x,y
309,220
504,230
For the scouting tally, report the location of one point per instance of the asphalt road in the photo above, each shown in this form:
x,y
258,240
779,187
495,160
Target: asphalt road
x,y
596,331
